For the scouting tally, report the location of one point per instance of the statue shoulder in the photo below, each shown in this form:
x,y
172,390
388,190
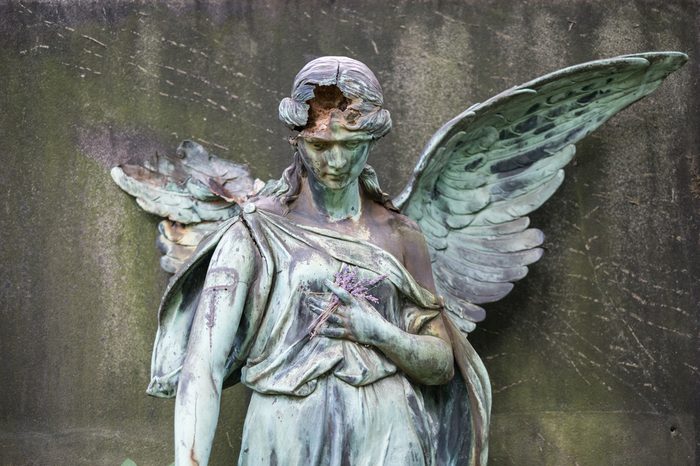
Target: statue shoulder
x,y
414,248
268,203
407,227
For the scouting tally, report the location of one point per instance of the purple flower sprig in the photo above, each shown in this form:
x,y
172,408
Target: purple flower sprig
x,y
347,278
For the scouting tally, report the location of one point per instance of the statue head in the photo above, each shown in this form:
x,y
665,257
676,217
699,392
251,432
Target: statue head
x,y
336,91
336,105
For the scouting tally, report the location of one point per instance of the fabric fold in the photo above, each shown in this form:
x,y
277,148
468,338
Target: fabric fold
x,y
272,354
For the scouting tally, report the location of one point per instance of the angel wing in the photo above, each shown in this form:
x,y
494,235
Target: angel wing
x,y
485,170
193,190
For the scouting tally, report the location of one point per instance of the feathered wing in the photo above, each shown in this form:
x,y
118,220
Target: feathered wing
x,y
192,190
485,170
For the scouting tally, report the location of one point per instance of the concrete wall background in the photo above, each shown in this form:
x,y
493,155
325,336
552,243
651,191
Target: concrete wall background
x,y
593,357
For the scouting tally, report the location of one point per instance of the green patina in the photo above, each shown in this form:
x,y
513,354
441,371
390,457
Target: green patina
x,y
63,208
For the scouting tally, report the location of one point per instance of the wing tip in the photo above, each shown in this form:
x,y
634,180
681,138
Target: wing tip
x,y
465,309
671,58
537,254
537,237
118,176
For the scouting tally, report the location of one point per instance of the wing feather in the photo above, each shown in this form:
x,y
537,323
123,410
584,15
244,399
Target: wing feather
x,y
485,170
193,190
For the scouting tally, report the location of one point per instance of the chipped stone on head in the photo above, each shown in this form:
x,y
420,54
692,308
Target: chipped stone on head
x,y
336,90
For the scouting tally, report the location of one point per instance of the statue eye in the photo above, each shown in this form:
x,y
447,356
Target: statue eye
x,y
319,145
352,144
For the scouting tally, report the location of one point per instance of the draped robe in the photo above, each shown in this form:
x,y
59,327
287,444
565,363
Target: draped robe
x,y
322,401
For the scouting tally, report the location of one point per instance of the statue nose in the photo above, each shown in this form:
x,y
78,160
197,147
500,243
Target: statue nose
x,y
335,158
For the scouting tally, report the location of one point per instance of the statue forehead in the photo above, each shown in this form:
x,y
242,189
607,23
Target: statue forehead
x,y
336,132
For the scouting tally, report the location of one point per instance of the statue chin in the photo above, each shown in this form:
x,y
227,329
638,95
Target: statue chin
x,y
334,182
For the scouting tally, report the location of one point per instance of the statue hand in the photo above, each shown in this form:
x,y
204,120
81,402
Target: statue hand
x,y
355,319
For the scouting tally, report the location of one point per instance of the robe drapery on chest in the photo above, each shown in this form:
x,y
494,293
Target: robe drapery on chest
x,y
459,411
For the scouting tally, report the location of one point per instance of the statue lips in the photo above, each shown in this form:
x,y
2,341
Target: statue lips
x,y
336,176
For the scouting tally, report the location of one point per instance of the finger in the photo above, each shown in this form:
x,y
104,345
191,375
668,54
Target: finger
x,y
342,294
317,301
321,312
315,309
341,311
335,319
327,317
333,332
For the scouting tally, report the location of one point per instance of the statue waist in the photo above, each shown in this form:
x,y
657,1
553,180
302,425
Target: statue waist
x,y
294,370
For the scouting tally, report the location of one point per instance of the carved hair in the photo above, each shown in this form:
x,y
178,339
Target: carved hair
x,y
355,81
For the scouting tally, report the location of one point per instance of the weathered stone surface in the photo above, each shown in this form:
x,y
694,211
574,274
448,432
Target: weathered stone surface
x,y
593,357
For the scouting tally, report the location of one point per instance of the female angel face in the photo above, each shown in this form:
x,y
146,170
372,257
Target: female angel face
x,y
336,157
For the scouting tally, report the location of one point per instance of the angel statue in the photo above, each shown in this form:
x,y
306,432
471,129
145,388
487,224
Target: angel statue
x,y
347,312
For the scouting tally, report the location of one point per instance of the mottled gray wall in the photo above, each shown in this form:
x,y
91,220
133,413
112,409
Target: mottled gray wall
x,y
593,357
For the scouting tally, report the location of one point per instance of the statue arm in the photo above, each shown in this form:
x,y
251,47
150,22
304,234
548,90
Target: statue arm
x,y
425,356
214,327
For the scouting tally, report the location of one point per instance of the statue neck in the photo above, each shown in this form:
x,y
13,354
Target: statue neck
x,y
337,204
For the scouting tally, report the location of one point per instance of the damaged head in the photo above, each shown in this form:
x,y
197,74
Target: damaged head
x,y
335,92
336,105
